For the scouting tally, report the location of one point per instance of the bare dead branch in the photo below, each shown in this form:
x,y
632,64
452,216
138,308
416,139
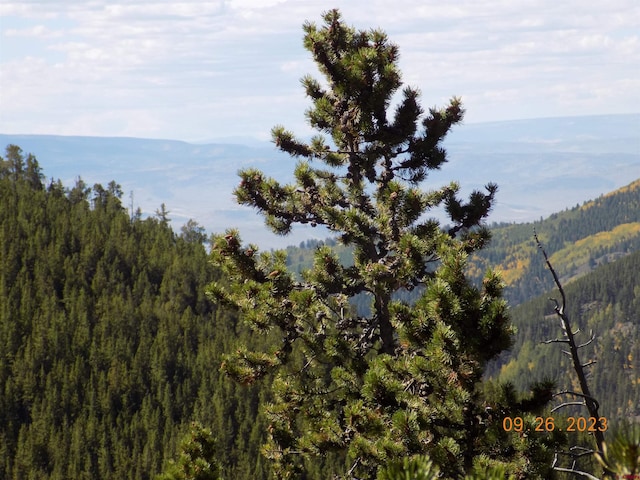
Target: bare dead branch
x,y
576,472
353,467
555,275
567,404
575,453
588,342
591,403
578,394
555,340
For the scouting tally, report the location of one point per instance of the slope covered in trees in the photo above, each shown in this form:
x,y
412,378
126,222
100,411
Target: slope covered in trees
x,y
577,240
605,301
108,346
109,349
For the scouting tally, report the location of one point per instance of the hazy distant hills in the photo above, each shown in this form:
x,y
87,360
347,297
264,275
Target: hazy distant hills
x,y
541,165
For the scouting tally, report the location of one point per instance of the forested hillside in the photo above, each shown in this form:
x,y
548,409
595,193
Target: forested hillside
x,y
110,349
108,346
607,302
578,240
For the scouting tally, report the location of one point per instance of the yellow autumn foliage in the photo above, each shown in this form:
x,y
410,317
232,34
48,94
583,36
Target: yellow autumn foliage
x,y
579,252
512,269
627,188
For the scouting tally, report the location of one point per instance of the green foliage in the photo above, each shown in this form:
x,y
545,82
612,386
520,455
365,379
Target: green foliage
x,y
401,379
108,346
422,468
414,468
622,455
197,458
490,473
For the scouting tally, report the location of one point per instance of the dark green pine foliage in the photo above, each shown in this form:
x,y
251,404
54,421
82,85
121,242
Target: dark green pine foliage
x,y
197,460
107,340
422,468
401,380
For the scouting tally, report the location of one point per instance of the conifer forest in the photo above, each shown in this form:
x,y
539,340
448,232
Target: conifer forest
x,y
401,347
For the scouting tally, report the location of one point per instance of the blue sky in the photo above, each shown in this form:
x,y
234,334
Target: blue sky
x,y
199,71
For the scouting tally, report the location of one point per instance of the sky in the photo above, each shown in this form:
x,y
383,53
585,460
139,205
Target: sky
x,y
207,70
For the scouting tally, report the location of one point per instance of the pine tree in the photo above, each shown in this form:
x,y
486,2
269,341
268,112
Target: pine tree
x,y
197,457
403,379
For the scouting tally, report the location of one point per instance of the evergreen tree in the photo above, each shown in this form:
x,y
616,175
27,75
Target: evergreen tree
x,y
107,338
403,379
622,456
197,458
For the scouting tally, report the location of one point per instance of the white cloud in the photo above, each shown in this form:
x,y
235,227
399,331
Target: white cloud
x,y
253,4
194,69
37,31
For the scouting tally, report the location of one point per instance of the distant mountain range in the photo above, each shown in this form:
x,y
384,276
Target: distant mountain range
x,y
541,165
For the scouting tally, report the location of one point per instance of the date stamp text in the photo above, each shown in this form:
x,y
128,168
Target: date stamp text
x,y
549,424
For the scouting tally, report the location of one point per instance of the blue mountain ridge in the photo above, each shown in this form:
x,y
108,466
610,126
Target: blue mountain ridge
x,y
541,166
